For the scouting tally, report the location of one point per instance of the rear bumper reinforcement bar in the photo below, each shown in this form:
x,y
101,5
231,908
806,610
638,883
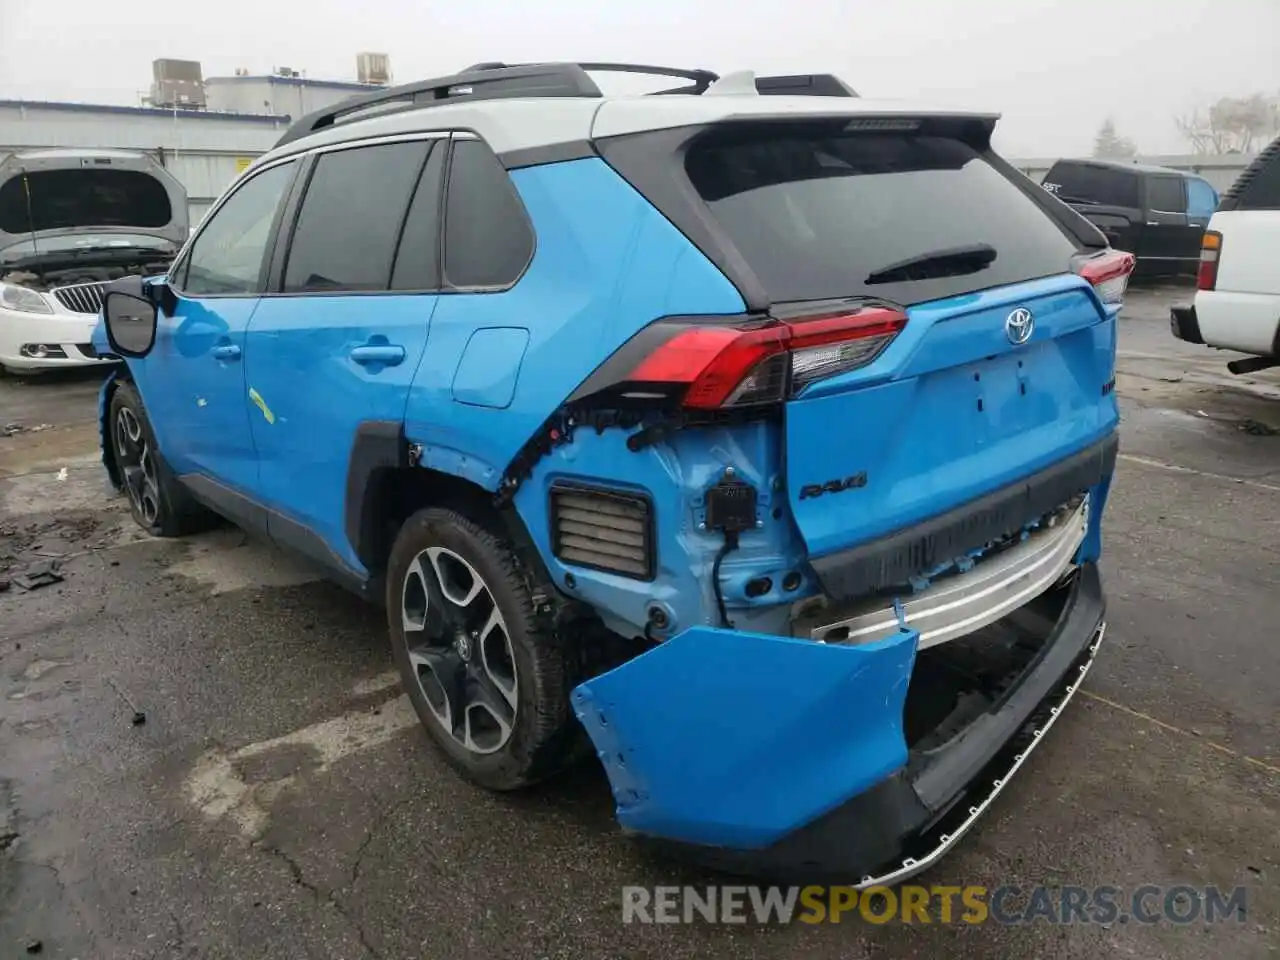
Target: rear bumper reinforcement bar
x,y
965,602
892,560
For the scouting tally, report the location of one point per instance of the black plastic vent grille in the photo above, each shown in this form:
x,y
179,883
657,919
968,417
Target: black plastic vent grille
x,y
602,530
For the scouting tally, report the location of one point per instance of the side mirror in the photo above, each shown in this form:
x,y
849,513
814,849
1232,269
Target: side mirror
x,y
130,318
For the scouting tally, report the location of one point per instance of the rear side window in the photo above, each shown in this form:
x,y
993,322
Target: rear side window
x,y
1086,183
487,237
1165,195
83,198
895,215
350,219
1263,190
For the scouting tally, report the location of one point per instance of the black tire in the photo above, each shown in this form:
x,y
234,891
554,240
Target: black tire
x,y
544,736
159,504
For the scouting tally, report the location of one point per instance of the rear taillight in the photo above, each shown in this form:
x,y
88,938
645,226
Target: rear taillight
x,y
767,363
1210,253
1108,273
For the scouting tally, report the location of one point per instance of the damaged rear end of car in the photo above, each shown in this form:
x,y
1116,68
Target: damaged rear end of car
x,y
855,521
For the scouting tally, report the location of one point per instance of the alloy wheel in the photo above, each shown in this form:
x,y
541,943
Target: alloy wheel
x,y
137,466
460,650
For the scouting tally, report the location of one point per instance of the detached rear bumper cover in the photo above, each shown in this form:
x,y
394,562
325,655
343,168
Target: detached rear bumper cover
x,y
787,758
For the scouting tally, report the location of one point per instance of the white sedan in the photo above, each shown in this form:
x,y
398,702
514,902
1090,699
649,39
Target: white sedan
x,y
40,330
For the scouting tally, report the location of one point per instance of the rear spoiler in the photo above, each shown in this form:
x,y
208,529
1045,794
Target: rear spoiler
x,y
494,80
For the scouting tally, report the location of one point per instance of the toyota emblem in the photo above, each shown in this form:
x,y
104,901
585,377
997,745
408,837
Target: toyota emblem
x,y
1019,325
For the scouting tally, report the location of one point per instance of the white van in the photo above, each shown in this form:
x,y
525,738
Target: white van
x,y
1237,301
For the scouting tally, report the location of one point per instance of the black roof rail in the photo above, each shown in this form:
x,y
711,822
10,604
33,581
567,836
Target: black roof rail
x,y
700,79
488,83
495,80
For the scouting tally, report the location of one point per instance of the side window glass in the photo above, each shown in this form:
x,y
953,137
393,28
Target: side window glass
x,y
1118,188
1165,194
350,219
418,257
227,257
1202,199
488,240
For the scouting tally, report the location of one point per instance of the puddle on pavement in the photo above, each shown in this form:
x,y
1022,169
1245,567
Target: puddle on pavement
x,y
228,559
243,784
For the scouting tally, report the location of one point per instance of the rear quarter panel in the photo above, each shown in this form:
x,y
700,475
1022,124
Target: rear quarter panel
x,y
606,263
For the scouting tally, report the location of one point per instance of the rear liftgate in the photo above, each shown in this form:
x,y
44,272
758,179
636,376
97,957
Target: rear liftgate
x,y
935,453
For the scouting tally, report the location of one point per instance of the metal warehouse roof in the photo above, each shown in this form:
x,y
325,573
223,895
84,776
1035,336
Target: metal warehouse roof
x,y
72,107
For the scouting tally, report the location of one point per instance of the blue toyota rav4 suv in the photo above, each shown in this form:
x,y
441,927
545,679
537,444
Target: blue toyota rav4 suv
x,y
750,435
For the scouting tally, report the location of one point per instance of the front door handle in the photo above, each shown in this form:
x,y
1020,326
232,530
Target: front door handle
x,y
388,354
226,351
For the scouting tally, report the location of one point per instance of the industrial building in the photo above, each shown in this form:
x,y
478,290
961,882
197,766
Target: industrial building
x,y
204,130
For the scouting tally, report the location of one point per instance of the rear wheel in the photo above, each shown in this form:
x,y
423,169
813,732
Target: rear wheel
x,y
487,680
157,501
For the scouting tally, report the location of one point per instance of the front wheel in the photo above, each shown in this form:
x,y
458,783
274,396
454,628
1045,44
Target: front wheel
x,y
157,501
489,683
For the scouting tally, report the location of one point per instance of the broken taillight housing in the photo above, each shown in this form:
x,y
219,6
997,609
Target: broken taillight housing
x,y
758,363
1109,273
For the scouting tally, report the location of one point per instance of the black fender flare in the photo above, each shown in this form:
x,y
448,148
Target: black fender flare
x,y
379,445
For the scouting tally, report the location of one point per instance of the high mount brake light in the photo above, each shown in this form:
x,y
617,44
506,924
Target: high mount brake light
x,y
748,366
1109,274
1210,252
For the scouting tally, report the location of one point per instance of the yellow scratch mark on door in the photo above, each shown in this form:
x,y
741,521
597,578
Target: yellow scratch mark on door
x,y
262,405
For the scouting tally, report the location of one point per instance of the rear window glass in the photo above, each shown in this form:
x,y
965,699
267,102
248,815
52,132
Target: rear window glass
x,y
820,217
1263,190
83,198
1089,184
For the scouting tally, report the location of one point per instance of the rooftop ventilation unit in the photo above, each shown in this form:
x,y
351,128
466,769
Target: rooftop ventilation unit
x,y
373,68
177,83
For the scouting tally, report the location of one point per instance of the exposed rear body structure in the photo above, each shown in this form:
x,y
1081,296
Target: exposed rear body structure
x,y
760,440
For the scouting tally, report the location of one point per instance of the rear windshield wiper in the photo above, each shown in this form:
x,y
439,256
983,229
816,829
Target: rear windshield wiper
x,y
937,263
1085,200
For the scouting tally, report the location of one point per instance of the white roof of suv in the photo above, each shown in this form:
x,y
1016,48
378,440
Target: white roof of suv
x,y
563,106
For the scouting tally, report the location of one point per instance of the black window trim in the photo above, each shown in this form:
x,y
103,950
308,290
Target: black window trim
x,y
445,286
293,208
183,260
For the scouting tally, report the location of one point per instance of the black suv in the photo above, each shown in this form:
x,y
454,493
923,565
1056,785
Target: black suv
x,y
1156,213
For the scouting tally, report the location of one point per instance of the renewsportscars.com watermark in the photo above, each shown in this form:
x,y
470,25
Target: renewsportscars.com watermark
x,y
1148,904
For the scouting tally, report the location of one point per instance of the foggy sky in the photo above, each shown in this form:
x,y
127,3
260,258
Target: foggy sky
x,y
1054,68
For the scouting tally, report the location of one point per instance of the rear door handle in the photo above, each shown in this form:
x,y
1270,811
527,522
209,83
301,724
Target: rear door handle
x,y
226,351
389,354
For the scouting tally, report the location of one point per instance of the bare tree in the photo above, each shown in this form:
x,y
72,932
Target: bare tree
x,y
1110,145
1232,124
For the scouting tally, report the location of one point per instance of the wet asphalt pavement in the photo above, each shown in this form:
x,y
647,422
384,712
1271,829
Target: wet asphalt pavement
x,y
280,801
